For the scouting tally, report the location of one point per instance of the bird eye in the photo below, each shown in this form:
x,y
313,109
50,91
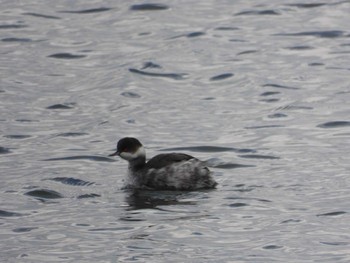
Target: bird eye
x,y
125,150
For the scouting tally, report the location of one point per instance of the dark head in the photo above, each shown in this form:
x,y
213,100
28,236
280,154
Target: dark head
x,y
129,149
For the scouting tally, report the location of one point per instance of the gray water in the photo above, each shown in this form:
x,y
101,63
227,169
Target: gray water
x,y
258,89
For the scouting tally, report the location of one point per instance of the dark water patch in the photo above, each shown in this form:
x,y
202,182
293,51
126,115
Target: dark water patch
x,y
70,181
226,28
131,219
259,156
229,165
208,149
221,77
295,107
4,213
61,106
277,115
307,5
92,195
269,93
111,229
12,26
337,213
17,137
321,34
235,205
81,157
44,194
175,76
299,48
335,243
288,221
149,7
258,12
334,124
130,94
143,199
316,64
4,150
248,198
264,127
66,56
88,11
24,229
237,40
71,134
272,247
26,120
195,34
16,39
150,65
242,188
270,100
41,15
131,121
279,86
247,52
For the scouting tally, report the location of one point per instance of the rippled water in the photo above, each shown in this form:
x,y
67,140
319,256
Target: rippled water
x,y
258,89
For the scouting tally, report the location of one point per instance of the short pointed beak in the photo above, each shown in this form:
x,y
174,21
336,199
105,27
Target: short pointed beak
x,y
114,154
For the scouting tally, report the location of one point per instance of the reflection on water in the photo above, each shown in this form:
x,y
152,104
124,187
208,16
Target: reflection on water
x,y
259,90
142,199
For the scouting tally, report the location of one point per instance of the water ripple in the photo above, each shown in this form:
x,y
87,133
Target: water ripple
x,y
61,106
337,213
259,12
66,56
88,11
308,5
4,150
221,77
4,213
82,157
71,181
129,94
334,124
279,86
235,205
16,39
41,15
321,34
92,195
44,194
12,26
269,93
24,229
259,156
195,34
208,149
71,134
175,76
148,7
17,136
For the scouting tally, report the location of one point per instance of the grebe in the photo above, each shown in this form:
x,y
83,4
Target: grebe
x,y
169,171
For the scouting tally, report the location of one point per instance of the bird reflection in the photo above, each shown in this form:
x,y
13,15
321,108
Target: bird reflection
x,y
143,199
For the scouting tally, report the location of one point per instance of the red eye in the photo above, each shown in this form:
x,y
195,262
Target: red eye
x,y
125,150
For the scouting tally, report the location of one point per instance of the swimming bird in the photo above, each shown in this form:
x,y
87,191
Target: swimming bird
x,y
169,171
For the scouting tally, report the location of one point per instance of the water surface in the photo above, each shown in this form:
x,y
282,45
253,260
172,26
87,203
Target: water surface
x,y
259,90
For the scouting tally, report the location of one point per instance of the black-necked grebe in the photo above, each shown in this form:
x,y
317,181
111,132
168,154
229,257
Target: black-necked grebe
x,y
169,171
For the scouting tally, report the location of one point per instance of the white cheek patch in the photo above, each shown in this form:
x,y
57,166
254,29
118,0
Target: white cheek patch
x,y
131,156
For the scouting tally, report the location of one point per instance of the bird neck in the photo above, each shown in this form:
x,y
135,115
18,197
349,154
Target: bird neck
x,y
137,163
